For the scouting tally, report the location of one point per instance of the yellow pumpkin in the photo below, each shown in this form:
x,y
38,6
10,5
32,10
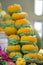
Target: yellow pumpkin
x,y
14,8
10,30
20,61
17,16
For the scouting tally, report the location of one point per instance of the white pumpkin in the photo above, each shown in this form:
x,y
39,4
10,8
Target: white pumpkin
x,y
2,12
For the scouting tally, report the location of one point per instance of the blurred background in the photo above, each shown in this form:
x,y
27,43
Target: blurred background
x,y
34,8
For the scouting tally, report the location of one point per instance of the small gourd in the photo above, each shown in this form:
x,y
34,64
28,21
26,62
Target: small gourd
x,y
20,61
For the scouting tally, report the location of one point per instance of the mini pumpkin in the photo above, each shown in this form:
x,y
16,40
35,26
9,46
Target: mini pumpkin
x,y
28,39
13,39
10,30
15,8
41,51
25,31
33,57
7,17
7,23
13,48
22,23
29,48
17,16
20,61
15,55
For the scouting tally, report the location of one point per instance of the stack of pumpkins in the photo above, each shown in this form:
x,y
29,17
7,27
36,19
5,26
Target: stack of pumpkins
x,y
22,38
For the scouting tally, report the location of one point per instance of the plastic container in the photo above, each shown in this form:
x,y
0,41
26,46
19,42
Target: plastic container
x,y
3,40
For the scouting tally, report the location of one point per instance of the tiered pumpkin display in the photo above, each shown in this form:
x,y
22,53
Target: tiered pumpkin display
x,y
22,38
